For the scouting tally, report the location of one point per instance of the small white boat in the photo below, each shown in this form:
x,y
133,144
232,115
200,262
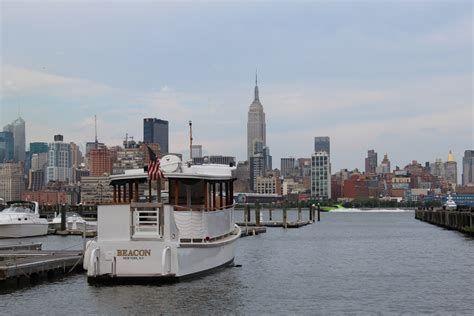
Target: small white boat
x,y
73,222
191,234
21,219
450,204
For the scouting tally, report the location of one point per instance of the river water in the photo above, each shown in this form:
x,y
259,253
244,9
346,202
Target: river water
x,y
356,262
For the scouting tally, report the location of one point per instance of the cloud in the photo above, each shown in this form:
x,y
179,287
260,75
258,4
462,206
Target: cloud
x,y
455,34
18,81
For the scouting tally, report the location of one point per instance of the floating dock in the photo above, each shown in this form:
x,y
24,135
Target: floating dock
x,y
26,264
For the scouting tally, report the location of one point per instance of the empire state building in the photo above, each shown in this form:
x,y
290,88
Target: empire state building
x,y
256,128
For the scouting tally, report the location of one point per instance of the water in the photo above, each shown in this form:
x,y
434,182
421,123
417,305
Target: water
x,y
356,262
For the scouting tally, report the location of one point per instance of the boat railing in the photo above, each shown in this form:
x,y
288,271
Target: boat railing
x,y
202,208
198,223
147,220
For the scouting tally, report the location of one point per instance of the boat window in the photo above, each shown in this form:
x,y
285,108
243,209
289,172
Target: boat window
x,y
190,192
17,209
201,194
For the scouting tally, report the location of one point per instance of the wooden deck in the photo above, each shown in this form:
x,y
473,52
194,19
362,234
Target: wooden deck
x,y
19,265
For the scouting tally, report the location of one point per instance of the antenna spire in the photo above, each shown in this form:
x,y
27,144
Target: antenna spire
x,y
95,127
256,99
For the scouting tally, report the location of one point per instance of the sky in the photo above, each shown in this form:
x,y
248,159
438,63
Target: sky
x,y
394,76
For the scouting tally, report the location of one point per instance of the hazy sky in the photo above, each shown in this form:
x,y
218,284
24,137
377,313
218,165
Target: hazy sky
x,y
395,76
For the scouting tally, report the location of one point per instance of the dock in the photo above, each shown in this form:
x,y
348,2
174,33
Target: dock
x,y
313,216
296,224
461,220
73,232
24,264
252,231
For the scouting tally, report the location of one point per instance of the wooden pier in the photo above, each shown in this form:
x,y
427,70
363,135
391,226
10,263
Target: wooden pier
x,y
24,264
313,215
460,220
252,231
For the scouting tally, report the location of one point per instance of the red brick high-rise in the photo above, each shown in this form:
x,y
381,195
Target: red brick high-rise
x,y
100,162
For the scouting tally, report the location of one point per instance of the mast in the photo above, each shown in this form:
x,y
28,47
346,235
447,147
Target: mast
x,y
190,140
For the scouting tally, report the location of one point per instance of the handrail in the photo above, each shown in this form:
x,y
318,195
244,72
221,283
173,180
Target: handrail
x,y
146,204
180,208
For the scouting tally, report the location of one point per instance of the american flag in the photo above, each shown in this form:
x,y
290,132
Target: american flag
x,y
154,170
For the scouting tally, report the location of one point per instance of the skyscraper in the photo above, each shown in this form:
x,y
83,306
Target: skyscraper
x,y
12,182
38,148
268,158
322,143
371,161
76,155
321,168
468,167
100,162
257,169
287,166
6,146
451,169
256,128
156,131
17,128
59,161
384,166
320,175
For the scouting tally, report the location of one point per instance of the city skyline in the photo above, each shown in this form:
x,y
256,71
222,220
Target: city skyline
x,y
409,96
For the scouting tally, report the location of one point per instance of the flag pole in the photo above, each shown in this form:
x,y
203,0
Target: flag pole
x,y
158,187
191,141
149,190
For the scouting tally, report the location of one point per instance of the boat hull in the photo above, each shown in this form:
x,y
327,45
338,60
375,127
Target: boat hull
x,y
75,226
23,230
109,279
156,261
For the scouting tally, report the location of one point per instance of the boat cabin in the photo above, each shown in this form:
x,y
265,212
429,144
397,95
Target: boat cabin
x,y
199,205
186,191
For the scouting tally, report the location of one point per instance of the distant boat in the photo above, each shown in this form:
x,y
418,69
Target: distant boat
x,y
450,204
73,222
331,208
21,219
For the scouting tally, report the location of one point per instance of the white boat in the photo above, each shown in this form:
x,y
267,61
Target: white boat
x,y
450,204
191,234
73,222
21,219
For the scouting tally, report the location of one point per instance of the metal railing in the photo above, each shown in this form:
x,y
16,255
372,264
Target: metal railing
x,y
147,220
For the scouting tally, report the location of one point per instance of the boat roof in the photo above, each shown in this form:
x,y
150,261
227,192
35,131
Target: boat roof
x,y
215,172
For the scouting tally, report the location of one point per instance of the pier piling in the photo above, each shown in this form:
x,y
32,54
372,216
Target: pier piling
x,y
63,216
257,214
